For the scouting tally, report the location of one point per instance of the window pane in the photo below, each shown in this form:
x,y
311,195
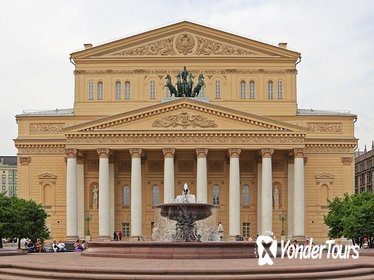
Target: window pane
x,y
126,196
155,195
270,90
152,89
100,89
280,90
90,90
127,90
242,90
118,90
218,89
252,89
245,194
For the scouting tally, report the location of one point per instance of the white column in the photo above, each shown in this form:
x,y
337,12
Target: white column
x,y
104,230
202,176
80,197
71,195
267,192
111,198
290,197
136,193
298,222
169,183
234,193
259,197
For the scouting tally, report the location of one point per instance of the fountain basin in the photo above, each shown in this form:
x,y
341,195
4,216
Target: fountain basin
x,y
185,212
171,250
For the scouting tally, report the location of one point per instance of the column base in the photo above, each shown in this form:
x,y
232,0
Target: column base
x,y
104,238
72,238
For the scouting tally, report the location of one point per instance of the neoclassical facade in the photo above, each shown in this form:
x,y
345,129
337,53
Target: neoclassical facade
x,y
242,144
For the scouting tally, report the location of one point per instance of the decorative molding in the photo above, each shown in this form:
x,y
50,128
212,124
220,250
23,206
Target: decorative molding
x,y
168,152
234,153
40,148
135,153
347,160
184,119
47,176
186,44
187,138
103,152
46,128
324,127
216,166
25,161
201,153
71,153
155,166
329,148
267,153
324,178
298,153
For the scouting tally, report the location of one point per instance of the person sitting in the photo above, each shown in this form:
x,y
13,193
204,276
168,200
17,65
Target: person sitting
x,y
61,246
39,245
30,246
83,245
78,246
54,246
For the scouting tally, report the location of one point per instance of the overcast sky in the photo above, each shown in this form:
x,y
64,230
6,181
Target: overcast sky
x,y
335,39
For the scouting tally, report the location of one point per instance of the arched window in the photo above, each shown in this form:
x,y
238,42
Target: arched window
x,y
270,90
246,196
118,90
152,89
126,196
252,90
280,89
218,89
155,195
242,90
215,194
100,90
90,90
127,90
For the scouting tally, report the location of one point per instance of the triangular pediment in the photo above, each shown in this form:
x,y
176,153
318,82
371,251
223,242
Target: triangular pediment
x,y
184,114
184,39
324,176
46,176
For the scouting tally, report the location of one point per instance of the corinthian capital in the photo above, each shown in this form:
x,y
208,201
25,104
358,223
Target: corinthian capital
x,y
168,152
267,153
135,153
234,153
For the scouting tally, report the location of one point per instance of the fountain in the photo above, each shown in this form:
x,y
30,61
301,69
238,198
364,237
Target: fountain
x,y
181,236
186,211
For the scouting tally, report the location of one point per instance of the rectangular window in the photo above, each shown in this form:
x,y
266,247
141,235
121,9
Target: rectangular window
x,y
246,230
126,229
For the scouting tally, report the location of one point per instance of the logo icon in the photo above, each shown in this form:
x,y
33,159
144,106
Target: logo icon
x,y
263,255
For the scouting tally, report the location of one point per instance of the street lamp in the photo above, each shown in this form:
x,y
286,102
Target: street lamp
x,y
282,217
88,219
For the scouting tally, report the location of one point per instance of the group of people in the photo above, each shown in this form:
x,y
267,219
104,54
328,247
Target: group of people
x,y
58,247
117,235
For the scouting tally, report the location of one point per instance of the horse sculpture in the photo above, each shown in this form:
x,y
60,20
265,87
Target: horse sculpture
x,y
198,87
170,86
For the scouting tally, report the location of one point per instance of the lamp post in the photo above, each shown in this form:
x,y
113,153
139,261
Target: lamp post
x,y
88,219
282,217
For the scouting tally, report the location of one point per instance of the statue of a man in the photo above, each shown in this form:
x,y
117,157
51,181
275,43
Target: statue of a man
x,y
95,191
184,75
276,197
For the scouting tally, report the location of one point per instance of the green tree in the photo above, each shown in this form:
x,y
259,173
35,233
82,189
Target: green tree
x,y
22,218
351,217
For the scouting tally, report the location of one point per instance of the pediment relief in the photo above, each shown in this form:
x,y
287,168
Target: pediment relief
x,y
186,43
184,39
184,113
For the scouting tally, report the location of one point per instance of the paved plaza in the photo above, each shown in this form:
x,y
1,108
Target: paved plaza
x,y
76,266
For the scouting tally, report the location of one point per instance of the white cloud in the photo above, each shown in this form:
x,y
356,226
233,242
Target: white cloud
x,y
334,37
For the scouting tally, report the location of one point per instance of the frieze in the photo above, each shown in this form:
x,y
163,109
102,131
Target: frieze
x,y
208,72
184,120
333,149
192,139
46,128
48,149
324,127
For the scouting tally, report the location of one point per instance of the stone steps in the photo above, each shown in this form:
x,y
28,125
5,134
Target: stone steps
x,y
362,271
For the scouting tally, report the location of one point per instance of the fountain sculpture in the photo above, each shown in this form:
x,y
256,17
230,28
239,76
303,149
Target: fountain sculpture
x,y
186,211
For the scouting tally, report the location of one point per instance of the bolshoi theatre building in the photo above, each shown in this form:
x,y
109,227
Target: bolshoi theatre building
x,y
185,103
